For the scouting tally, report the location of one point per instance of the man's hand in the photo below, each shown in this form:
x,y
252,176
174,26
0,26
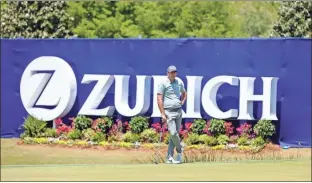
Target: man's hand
x,y
161,108
183,98
182,102
163,118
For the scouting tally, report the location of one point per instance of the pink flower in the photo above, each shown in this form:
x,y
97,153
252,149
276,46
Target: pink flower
x,y
183,133
229,129
126,126
188,126
244,129
157,127
114,130
58,122
206,129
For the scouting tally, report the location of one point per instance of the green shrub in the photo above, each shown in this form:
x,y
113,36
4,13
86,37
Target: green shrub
x,y
28,140
149,136
113,138
74,134
98,137
198,126
130,137
50,132
243,141
33,127
192,138
88,133
264,128
217,127
82,122
138,124
23,136
257,142
208,140
223,139
233,139
104,124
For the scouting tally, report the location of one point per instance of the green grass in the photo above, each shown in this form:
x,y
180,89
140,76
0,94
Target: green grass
x,y
247,171
36,163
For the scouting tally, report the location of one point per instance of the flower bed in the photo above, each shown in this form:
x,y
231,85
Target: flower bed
x,y
84,132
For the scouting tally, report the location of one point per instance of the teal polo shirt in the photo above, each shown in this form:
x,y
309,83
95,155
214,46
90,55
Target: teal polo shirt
x,y
171,92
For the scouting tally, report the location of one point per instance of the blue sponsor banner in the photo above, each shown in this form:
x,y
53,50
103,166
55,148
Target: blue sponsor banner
x,y
289,60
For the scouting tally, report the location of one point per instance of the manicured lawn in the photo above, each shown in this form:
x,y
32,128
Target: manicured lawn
x,y
31,163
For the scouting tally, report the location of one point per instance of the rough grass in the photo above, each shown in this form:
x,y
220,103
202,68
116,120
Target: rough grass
x,y
39,163
13,154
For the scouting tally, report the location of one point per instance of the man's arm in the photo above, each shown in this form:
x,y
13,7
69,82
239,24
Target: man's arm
x,y
183,97
183,93
160,103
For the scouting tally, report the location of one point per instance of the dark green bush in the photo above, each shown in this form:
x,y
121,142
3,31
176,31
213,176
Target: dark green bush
x,y
74,134
208,140
149,136
138,124
217,127
198,126
223,139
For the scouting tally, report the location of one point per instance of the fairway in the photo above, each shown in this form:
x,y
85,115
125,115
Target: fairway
x,y
246,171
36,163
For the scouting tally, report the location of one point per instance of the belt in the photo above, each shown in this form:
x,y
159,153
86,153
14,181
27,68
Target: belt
x,y
173,109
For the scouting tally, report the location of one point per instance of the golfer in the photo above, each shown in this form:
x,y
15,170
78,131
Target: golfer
x,y
171,96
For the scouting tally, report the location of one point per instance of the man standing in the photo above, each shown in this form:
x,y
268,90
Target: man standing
x,y
171,96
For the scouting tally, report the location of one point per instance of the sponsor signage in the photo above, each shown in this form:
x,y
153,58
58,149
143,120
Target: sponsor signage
x,y
49,87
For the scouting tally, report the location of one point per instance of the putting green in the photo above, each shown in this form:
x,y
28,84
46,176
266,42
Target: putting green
x,y
295,170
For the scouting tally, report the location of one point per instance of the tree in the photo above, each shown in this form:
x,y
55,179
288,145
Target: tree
x,y
33,19
104,19
294,20
124,19
150,19
252,19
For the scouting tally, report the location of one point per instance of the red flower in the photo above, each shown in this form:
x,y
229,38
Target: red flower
x,y
114,130
188,126
206,129
165,127
183,133
229,129
181,129
58,122
160,128
244,129
126,126
157,127
62,128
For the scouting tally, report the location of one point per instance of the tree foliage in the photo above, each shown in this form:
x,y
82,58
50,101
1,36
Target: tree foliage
x,y
295,20
35,19
253,19
127,19
172,19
